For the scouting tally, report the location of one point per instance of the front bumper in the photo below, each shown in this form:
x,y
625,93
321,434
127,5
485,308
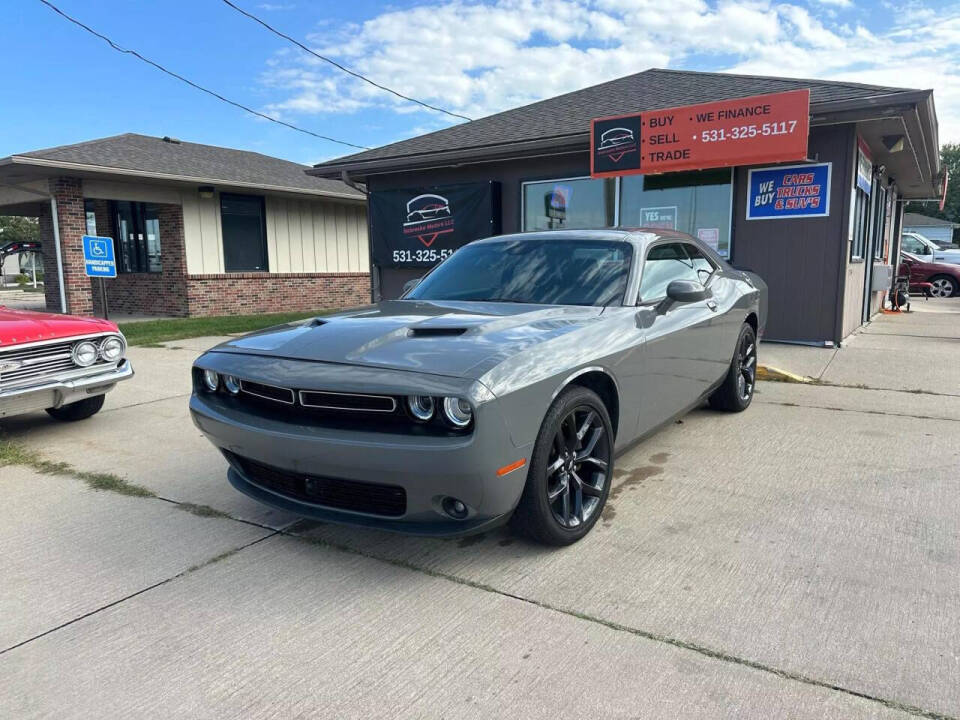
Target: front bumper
x,y
57,392
428,468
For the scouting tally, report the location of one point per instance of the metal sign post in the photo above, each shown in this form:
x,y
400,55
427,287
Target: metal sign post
x,y
99,262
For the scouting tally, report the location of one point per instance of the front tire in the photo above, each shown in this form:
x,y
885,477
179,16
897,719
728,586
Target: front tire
x,y
944,286
80,410
570,470
736,392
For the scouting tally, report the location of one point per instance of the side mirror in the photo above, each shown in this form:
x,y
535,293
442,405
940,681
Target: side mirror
x,y
409,285
685,291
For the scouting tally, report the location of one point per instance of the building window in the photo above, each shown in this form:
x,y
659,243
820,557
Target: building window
x,y
861,210
243,220
880,224
91,217
137,237
571,203
698,203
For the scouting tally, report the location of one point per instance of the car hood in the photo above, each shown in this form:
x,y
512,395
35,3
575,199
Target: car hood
x,y
24,326
460,339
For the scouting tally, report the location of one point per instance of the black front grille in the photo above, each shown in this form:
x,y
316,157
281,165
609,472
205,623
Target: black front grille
x,y
347,401
372,498
268,392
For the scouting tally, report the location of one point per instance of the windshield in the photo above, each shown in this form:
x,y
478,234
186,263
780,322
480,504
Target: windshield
x,y
548,272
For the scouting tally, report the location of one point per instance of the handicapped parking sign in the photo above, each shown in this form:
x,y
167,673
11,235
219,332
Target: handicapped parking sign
x,y
98,256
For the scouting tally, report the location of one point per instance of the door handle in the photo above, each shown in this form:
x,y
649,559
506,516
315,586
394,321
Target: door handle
x,y
712,305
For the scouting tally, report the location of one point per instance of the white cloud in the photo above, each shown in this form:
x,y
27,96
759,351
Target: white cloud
x,y
477,57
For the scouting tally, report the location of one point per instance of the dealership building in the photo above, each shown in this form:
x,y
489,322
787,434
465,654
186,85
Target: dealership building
x,y
825,242
195,229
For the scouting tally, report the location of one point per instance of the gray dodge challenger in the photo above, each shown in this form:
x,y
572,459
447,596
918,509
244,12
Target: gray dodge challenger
x,y
500,387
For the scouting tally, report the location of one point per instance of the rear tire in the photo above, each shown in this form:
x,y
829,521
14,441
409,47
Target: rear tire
x,y
736,392
80,410
570,470
943,286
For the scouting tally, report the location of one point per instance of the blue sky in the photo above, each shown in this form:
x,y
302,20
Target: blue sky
x,y
476,58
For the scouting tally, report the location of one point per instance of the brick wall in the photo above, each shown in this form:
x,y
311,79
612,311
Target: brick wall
x,y
251,293
51,281
68,192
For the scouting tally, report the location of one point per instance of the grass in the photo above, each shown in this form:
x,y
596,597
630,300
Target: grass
x,y
150,333
15,454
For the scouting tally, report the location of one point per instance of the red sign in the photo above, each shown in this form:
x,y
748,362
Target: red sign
x,y
743,131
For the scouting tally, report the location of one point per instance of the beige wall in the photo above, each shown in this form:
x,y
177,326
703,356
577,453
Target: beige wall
x,y
303,234
312,236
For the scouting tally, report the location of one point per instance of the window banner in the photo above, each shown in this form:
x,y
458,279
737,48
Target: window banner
x,y
864,167
419,227
788,192
664,218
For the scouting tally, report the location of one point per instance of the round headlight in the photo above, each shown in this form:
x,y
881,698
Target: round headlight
x,y
85,353
112,348
421,406
211,380
232,384
457,412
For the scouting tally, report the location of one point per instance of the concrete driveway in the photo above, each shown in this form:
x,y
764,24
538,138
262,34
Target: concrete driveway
x,y
799,560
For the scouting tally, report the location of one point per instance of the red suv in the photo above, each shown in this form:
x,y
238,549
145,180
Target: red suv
x,y
944,278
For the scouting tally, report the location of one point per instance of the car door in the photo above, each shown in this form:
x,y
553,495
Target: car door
x,y
677,337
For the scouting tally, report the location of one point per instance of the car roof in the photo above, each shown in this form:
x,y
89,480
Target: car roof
x,y
621,234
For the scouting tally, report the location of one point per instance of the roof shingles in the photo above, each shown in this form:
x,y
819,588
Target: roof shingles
x,y
570,114
151,155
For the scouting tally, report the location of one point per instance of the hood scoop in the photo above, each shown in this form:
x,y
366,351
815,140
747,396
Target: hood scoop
x,y
428,332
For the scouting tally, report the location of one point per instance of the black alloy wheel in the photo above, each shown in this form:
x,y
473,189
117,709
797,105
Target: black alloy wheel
x,y
736,392
577,473
570,470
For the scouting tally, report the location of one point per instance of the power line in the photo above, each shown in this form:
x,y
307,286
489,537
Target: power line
x,y
192,84
341,67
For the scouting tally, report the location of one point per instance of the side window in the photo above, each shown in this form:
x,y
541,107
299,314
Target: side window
x,y
701,264
912,245
664,264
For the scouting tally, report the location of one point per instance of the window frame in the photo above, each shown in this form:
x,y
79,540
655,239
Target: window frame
x,y
638,300
263,231
138,214
538,181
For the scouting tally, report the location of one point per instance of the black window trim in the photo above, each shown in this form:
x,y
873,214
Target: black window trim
x,y
640,302
263,231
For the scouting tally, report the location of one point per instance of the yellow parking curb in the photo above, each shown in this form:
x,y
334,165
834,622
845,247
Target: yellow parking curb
x,y
766,372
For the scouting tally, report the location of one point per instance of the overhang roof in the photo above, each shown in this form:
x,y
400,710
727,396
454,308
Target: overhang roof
x,y
166,159
561,124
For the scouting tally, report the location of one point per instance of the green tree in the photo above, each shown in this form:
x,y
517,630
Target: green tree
x,y
950,159
14,228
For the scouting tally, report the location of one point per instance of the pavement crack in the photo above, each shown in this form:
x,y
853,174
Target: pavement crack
x,y
141,591
698,648
856,410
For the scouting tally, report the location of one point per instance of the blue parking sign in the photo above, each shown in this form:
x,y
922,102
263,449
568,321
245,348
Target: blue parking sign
x,y
98,256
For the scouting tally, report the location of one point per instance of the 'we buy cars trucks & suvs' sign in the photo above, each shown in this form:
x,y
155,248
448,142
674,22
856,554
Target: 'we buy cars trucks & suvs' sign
x,y
741,131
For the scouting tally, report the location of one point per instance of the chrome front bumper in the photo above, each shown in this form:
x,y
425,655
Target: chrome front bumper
x,y
55,392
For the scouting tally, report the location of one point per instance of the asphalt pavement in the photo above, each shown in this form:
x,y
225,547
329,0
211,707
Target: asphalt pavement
x,y
800,560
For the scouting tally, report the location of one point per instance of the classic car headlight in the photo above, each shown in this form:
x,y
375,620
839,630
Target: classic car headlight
x,y
112,348
211,380
457,412
421,407
232,384
85,353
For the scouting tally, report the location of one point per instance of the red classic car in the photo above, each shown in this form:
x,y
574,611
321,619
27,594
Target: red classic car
x,y
58,363
944,278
